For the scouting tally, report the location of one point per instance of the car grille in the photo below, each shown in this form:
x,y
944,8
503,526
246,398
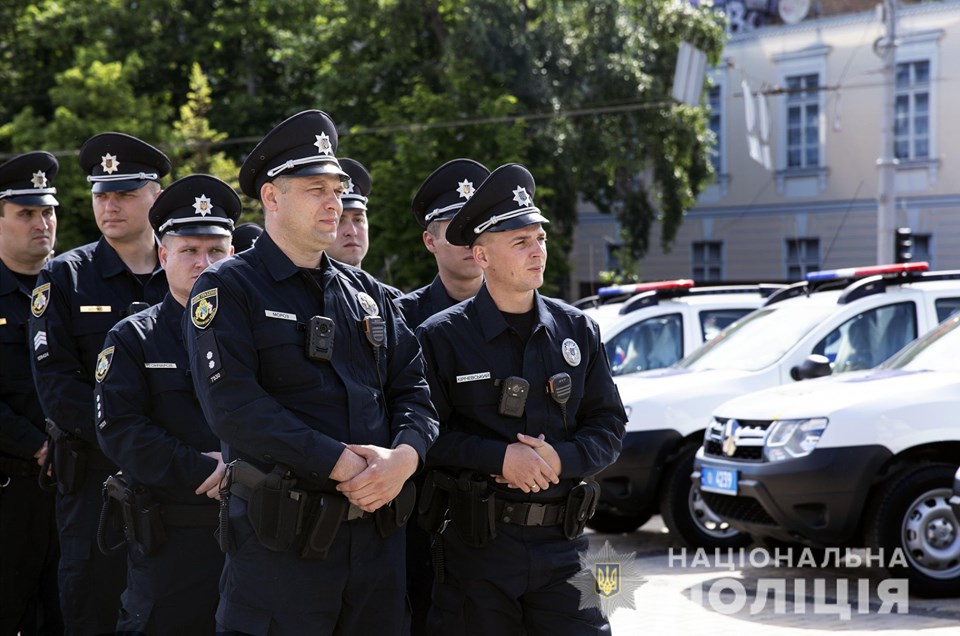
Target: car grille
x,y
739,508
744,438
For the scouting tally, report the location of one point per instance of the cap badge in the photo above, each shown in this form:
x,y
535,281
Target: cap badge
x,y
103,363
571,352
520,196
465,189
349,189
203,307
201,205
39,179
368,304
109,163
323,144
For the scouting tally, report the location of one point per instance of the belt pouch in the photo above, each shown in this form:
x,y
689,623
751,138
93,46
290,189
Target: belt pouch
x,y
274,510
322,526
473,511
394,515
148,523
581,504
69,464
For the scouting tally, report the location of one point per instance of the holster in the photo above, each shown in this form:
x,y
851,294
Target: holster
x,y
581,504
69,459
434,503
326,514
392,516
275,509
473,510
140,516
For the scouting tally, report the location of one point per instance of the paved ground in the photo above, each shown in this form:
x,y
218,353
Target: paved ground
x,y
676,598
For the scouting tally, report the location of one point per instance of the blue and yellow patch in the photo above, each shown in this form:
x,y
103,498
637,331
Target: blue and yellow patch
x,y
103,363
608,579
40,300
203,307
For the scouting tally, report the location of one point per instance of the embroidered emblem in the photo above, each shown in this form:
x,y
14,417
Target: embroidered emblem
x,y
103,363
203,307
41,298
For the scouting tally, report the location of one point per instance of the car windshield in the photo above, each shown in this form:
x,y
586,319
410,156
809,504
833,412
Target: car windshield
x,y
759,339
936,350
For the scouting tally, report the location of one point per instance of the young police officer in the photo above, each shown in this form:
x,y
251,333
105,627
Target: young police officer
x,y
353,232
459,276
150,423
315,386
527,409
28,532
79,296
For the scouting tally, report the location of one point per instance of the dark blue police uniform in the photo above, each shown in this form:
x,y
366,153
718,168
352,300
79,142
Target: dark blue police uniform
x,y
29,548
271,404
519,579
150,423
422,303
79,296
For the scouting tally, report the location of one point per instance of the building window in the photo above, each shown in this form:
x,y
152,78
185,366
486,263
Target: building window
x,y
803,121
714,102
921,248
803,256
707,261
912,124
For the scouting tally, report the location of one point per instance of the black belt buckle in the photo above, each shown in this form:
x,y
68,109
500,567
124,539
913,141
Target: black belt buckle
x,y
535,514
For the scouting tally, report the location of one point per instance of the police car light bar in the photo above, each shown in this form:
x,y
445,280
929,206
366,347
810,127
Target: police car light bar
x,y
861,272
616,290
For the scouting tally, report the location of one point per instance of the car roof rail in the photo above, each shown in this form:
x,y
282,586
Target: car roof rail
x,y
790,291
764,289
878,284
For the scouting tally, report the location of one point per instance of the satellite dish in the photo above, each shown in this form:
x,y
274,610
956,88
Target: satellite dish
x,y
792,11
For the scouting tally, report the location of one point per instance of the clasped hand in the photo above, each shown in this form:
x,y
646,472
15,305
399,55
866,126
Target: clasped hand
x,y
530,464
371,476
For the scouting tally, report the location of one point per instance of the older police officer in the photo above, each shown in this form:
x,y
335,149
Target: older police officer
x,y
314,384
28,532
79,296
527,409
150,423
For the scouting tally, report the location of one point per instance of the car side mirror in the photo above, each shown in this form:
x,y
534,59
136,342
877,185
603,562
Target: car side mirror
x,y
814,366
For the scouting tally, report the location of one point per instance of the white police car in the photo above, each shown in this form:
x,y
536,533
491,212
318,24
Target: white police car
x,y
652,325
855,318
862,459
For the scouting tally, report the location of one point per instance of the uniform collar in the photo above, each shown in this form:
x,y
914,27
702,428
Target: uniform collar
x,y
438,291
279,264
492,322
109,263
172,312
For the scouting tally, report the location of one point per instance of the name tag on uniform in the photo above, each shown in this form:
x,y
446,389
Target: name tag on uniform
x,y
160,365
473,377
95,309
281,315
3,321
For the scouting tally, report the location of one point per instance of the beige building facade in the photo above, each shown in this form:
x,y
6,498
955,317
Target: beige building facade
x,y
816,205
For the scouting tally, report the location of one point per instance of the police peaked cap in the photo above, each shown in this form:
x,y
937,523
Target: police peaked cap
x,y
444,192
197,205
115,162
359,186
245,235
504,201
302,145
25,179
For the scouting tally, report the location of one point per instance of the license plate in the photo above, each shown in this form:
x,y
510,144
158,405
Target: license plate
x,y
718,480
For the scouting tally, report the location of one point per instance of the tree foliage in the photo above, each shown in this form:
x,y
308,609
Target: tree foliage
x,y
578,91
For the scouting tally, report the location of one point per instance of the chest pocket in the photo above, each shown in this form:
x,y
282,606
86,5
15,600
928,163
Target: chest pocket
x,y
283,360
167,381
475,393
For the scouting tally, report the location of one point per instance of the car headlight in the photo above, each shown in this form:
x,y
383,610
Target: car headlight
x,y
793,438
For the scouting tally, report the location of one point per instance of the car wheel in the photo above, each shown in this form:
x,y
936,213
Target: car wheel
x,y
912,512
609,522
687,515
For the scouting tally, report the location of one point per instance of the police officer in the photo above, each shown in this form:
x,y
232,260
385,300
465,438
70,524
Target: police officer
x,y
245,235
527,409
28,533
150,424
459,276
316,389
79,296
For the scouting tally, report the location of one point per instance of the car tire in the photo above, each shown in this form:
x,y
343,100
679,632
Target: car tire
x,y
686,514
612,523
912,512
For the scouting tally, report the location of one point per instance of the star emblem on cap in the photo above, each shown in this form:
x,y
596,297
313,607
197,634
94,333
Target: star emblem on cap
x,y
349,189
39,179
323,144
521,197
109,163
201,205
465,189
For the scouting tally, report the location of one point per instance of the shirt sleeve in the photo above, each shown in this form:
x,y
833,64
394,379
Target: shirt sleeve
x,y
18,435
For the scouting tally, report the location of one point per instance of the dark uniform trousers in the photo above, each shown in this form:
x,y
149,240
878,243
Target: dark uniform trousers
x,y
270,403
519,581
29,550
150,423
90,289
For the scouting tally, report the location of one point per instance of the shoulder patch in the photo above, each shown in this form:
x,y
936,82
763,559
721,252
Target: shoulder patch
x,y
103,363
203,307
41,298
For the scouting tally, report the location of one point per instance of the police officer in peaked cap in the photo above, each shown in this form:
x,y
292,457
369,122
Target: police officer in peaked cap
x,y
245,235
528,410
315,386
79,296
150,424
28,534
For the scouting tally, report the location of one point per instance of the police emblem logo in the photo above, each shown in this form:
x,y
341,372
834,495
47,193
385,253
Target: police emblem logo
x,y
465,189
571,352
109,163
323,144
349,189
40,300
39,179
203,307
608,579
202,205
103,363
521,196
368,304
